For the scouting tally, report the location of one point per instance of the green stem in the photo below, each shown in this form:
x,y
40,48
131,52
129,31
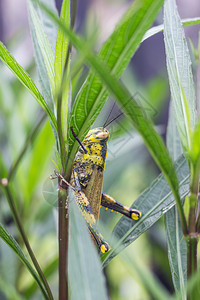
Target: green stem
x,y
191,261
193,198
63,193
26,242
191,239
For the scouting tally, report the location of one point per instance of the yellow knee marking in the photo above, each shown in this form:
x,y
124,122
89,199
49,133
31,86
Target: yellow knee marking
x,y
136,215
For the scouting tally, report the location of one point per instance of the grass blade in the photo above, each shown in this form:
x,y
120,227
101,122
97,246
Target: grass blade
x,y
84,264
10,241
180,74
26,80
177,250
154,202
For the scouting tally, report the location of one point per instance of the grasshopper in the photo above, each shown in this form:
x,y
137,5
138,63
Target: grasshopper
x,y
87,183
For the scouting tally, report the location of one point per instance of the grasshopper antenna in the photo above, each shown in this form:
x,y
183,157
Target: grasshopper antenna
x,y
113,119
109,116
106,124
75,136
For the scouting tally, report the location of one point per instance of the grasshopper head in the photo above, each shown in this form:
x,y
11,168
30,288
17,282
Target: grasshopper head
x,y
97,135
96,145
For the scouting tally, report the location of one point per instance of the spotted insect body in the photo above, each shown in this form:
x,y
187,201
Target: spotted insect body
x,y
87,180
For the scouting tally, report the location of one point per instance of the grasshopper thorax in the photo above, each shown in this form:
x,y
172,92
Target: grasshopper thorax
x,y
96,144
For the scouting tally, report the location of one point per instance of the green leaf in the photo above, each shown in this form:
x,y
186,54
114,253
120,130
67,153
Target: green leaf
x,y
156,29
62,78
86,279
173,140
180,74
154,202
177,249
49,26
43,42
26,80
116,54
195,147
10,241
62,44
42,71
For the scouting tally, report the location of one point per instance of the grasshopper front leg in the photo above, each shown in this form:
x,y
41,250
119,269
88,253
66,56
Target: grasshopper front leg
x,y
109,202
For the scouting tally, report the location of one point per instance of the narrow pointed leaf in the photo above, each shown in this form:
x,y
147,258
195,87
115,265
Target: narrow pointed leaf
x,y
10,241
116,54
62,44
26,80
179,72
61,66
49,26
44,44
154,202
177,250
87,281
159,28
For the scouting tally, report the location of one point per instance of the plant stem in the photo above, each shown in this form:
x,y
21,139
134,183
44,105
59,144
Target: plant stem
x,y
63,243
191,261
26,242
192,238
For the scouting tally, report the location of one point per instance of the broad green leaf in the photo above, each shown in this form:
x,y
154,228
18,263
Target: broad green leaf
x,y
26,80
116,54
44,45
135,114
180,73
10,241
86,278
177,249
156,29
154,202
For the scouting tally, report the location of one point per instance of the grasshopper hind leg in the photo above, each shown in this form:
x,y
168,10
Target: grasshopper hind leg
x,y
108,202
87,213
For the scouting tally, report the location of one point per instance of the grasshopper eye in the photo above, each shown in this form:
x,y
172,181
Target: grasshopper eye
x,y
102,135
136,214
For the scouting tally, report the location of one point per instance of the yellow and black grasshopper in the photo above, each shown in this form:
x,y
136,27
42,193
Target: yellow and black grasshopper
x,y
87,183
